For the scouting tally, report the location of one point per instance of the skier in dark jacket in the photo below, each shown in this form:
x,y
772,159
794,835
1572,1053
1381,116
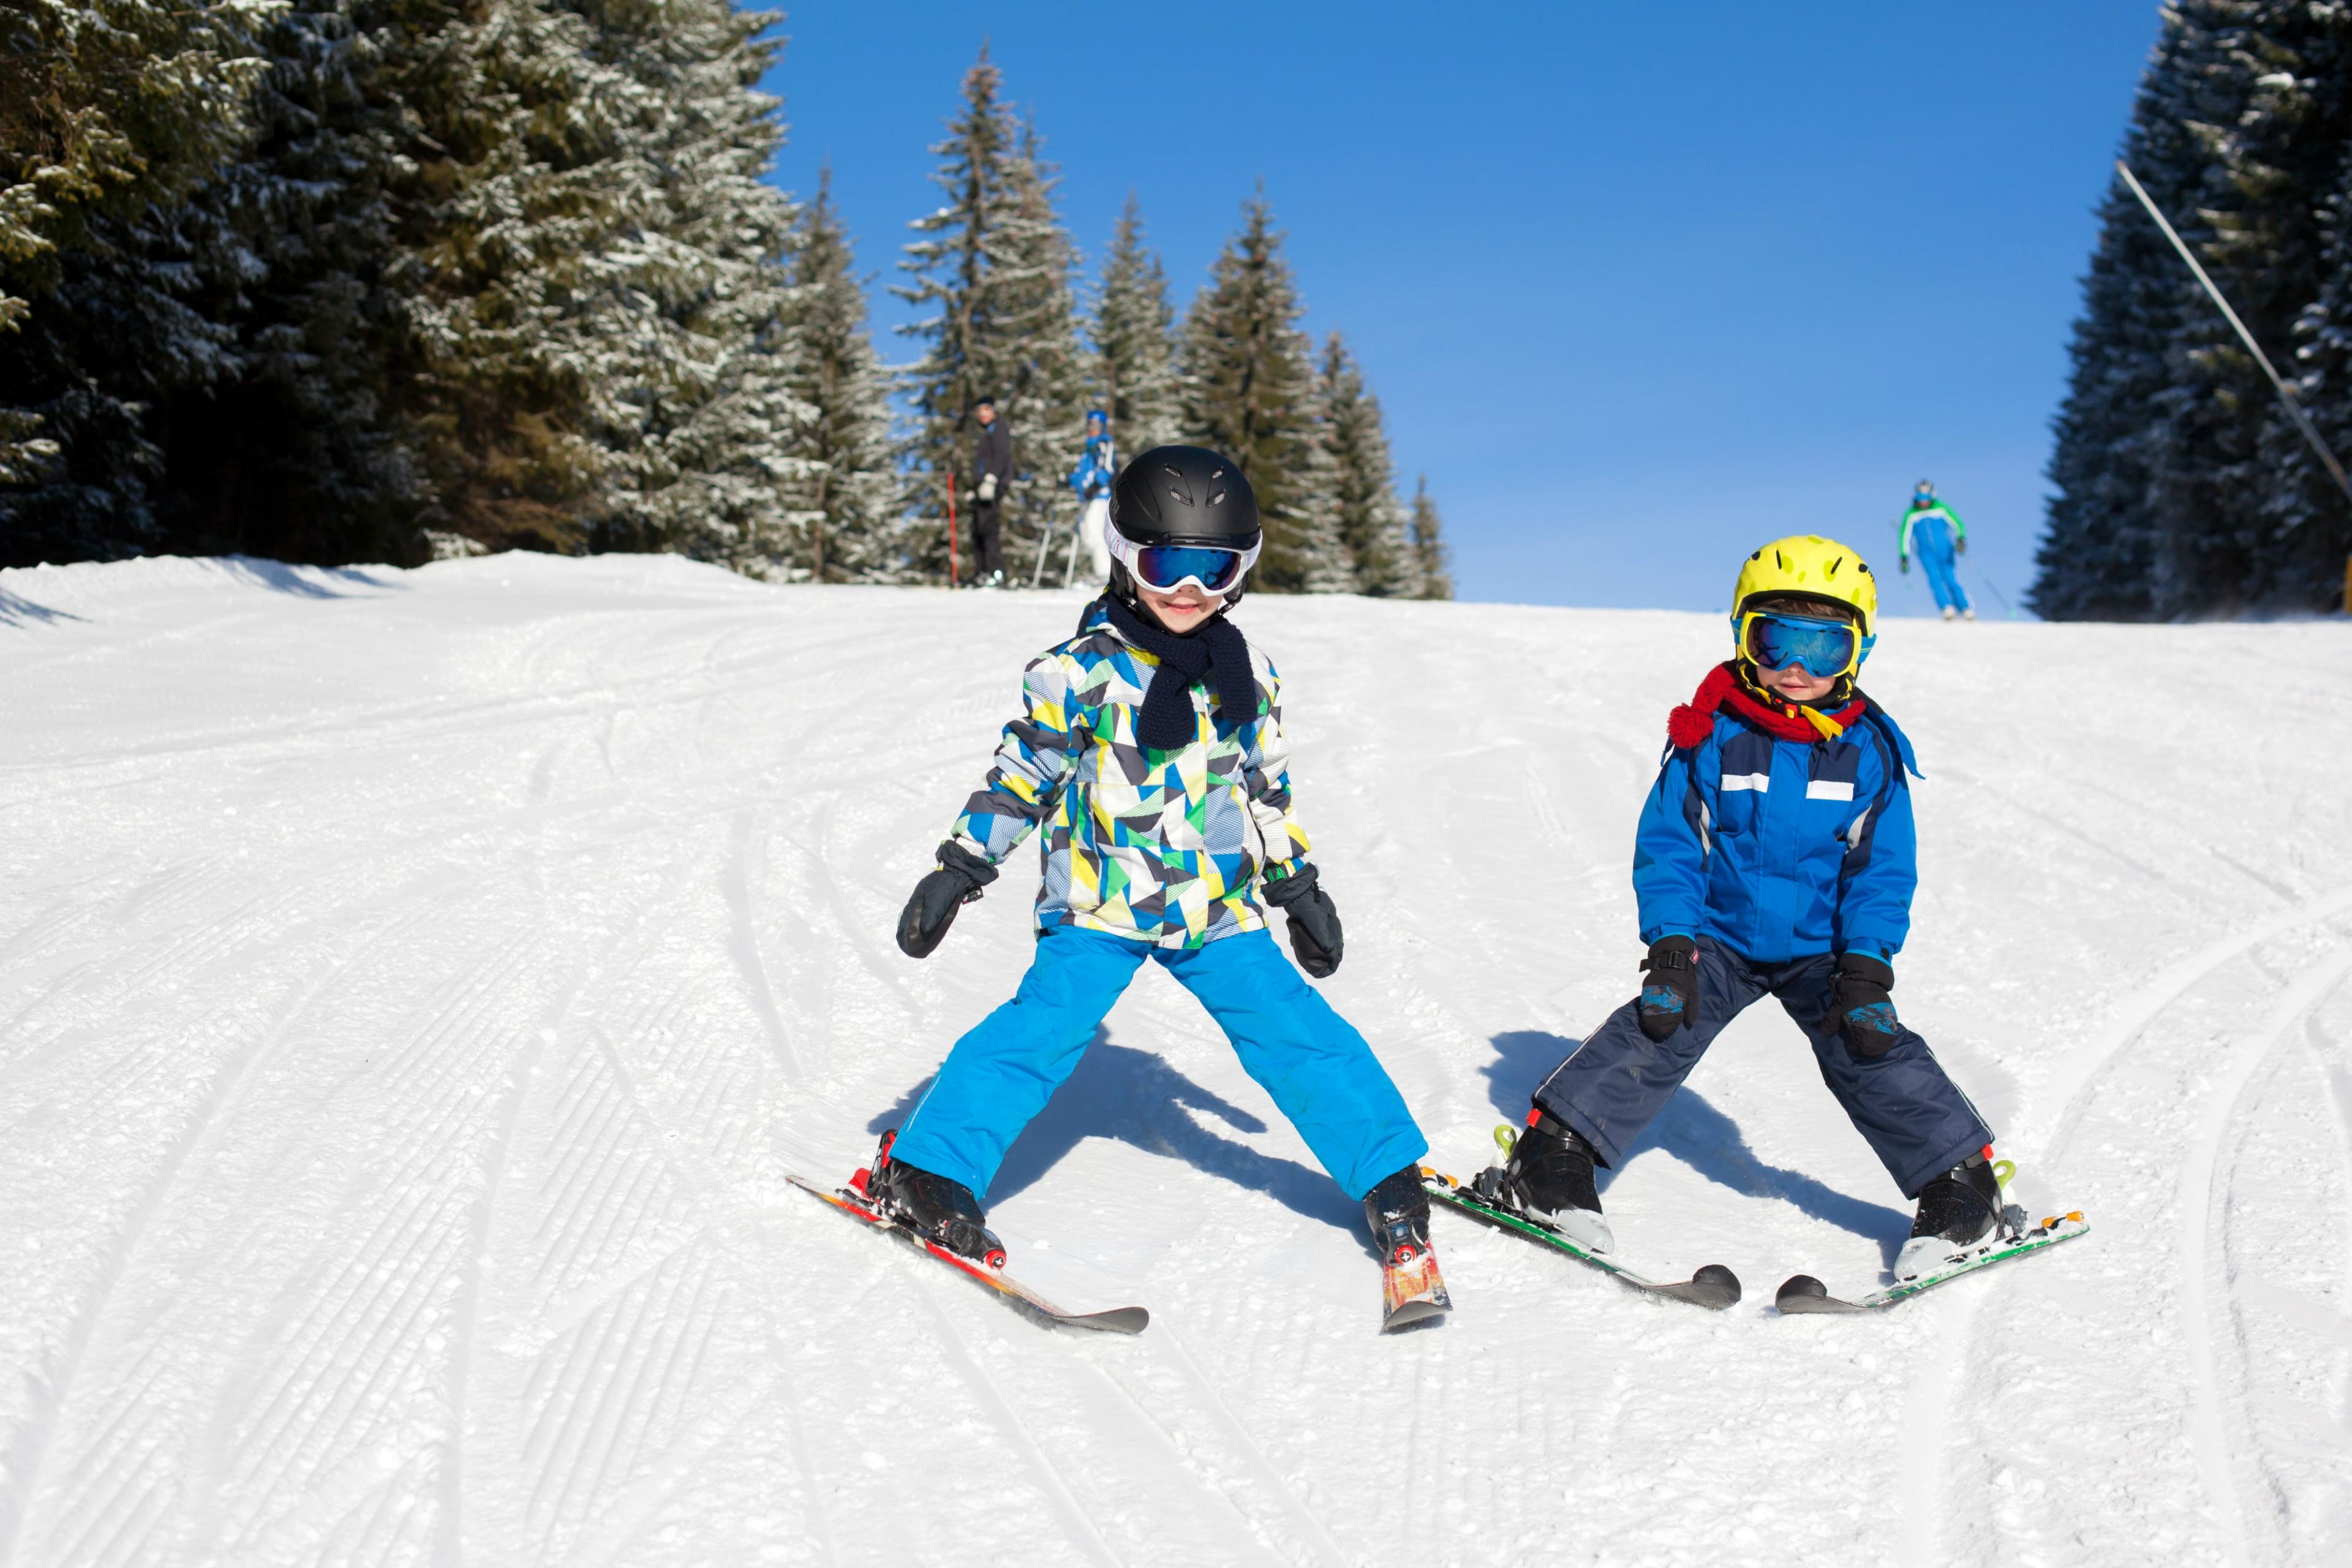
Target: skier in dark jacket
x,y
991,477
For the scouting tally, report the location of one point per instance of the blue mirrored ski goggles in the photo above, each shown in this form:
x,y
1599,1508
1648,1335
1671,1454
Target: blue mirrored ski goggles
x,y
1167,566
1825,648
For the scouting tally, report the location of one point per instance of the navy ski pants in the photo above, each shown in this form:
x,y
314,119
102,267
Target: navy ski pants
x,y
1318,1069
1914,1119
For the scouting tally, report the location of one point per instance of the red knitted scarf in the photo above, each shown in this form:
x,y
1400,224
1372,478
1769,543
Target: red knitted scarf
x,y
1693,721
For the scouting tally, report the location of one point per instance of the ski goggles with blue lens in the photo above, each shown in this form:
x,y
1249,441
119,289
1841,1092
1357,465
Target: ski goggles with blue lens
x,y
1167,567
1825,648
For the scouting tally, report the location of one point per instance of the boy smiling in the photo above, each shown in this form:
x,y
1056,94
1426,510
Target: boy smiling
x,y
1774,855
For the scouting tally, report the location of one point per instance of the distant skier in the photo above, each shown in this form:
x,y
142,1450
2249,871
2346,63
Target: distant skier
x,y
991,477
1938,532
1774,855
1092,479
1151,753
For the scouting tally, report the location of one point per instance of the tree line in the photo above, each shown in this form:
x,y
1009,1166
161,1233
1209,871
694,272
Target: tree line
x,y
337,281
2181,486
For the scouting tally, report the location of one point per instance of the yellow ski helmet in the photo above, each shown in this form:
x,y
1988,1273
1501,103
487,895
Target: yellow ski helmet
x,y
1810,567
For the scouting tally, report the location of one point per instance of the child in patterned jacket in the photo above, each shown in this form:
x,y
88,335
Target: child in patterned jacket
x,y
1151,753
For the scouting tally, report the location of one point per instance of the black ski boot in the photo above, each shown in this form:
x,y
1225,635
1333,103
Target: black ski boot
x,y
1958,1212
1398,1213
1412,1289
1550,1180
933,1206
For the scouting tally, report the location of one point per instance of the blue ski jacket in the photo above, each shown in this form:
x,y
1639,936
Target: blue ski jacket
x,y
1092,475
1780,848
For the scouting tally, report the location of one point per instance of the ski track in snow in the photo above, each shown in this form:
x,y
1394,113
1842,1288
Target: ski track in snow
x,y
415,986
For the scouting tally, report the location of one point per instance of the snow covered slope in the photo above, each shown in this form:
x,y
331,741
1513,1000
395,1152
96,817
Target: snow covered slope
x,y
415,988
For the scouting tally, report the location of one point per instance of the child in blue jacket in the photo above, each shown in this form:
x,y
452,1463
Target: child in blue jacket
x,y
1775,855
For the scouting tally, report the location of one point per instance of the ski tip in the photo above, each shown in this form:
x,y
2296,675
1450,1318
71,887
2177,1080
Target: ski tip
x,y
1410,1313
1800,1288
1719,1282
1117,1321
1801,1293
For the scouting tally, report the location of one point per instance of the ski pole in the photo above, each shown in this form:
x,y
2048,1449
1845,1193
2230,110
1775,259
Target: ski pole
x,y
952,554
1985,582
2293,409
1045,538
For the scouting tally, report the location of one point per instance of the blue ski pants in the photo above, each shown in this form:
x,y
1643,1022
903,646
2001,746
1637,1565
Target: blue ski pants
x,y
1941,565
1914,1119
1320,1071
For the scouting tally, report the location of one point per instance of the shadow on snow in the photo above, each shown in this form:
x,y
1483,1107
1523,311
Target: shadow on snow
x,y
1138,1099
1701,1137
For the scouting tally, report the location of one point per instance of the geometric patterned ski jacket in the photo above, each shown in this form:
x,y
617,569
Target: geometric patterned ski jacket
x,y
1163,847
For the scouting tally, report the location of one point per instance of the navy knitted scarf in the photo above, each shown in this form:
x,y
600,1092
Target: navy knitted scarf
x,y
1216,647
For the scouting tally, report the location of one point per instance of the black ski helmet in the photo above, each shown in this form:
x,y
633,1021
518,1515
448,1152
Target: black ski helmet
x,y
1181,495
1184,495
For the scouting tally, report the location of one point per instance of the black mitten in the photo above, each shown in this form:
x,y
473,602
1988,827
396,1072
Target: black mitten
x,y
1670,995
1314,920
958,881
1861,1005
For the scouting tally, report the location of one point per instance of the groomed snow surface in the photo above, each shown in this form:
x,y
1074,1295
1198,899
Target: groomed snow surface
x,y
415,988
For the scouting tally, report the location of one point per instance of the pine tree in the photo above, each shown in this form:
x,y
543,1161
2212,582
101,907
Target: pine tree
x,y
2174,463
293,452
1371,522
502,218
840,496
994,269
1134,334
1249,393
1316,484
690,396
1431,557
1045,397
110,111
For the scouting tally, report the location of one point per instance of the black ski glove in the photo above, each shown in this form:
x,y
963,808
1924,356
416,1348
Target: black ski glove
x,y
1670,995
1860,1006
1314,921
924,922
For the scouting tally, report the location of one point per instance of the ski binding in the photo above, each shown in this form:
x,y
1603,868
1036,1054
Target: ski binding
x,y
1714,1287
852,1200
2011,1238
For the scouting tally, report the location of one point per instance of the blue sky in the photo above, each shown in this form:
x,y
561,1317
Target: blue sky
x,y
1640,287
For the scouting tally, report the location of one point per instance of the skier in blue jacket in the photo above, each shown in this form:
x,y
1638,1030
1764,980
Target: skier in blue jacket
x,y
1775,855
1092,479
1940,534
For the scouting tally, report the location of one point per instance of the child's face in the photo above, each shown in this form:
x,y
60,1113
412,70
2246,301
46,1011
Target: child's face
x,y
1181,608
1796,683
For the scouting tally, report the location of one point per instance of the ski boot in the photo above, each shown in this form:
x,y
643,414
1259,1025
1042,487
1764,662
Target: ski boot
x,y
940,1211
1413,1290
1960,1212
1950,612
1547,1176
